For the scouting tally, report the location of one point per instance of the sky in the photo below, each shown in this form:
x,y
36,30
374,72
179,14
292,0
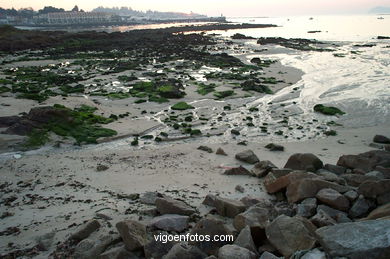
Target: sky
x,y
229,8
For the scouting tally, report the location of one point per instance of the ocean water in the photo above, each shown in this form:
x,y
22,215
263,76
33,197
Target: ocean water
x,y
358,83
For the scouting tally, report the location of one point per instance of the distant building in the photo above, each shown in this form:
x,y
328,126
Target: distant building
x,y
65,18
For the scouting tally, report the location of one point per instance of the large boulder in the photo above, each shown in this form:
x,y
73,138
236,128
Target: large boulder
x,y
119,252
228,207
255,216
245,240
182,250
156,249
247,156
172,206
309,187
381,139
364,239
210,227
290,234
307,207
92,248
273,183
85,230
8,121
305,161
170,222
234,252
380,212
359,208
339,170
133,234
357,179
322,219
372,189
338,216
333,198
366,161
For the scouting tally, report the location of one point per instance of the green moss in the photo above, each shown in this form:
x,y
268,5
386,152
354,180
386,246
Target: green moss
x,y
181,106
37,138
140,101
224,94
327,110
195,132
204,89
134,142
4,89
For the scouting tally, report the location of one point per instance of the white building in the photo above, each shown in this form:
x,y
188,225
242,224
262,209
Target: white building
x,y
64,18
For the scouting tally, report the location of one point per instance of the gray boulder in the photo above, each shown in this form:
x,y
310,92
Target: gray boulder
x,y
333,198
245,240
133,234
234,252
291,234
307,207
119,252
92,248
229,208
85,230
170,222
172,206
247,156
306,161
381,139
182,250
359,208
357,240
255,216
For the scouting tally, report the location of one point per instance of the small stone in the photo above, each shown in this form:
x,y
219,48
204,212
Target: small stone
x,y
206,149
359,208
274,147
118,253
245,240
255,216
339,170
268,255
381,139
150,197
307,207
238,171
262,168
182,250
322,219
221,152
101,168
239,188
351,195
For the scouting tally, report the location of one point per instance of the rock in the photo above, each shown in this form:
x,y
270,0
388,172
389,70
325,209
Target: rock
x,y
268,255
101,168
239,188
274,147
307,207
8,121
262,168
339,216
314,254
247,156
92,248
307,162
229,208
209,200
380,212
357,179
333,198
351,195
238,171
85,230
381,139
339,170
359,208
331,177
384,171
365,239
211,227
170,222
290,234
183,250
157,249
383,198
249,201
366,161
171,206
118,253
255,216
245,240
280,172
372,189
275,184
221,152
133,234
150,197
45,241
234,252
376,174
309,187
322,219
205,148
235,132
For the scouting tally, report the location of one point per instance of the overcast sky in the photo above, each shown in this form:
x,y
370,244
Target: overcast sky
x,y
217,7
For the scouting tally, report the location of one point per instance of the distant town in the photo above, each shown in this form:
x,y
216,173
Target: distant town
x,y
52,16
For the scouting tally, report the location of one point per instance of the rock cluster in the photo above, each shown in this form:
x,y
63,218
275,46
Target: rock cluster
x,y
319,211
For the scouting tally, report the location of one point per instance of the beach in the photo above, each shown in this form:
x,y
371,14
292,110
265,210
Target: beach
x,y
60,185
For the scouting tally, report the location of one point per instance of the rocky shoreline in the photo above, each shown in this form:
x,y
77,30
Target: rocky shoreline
x,y
312,209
